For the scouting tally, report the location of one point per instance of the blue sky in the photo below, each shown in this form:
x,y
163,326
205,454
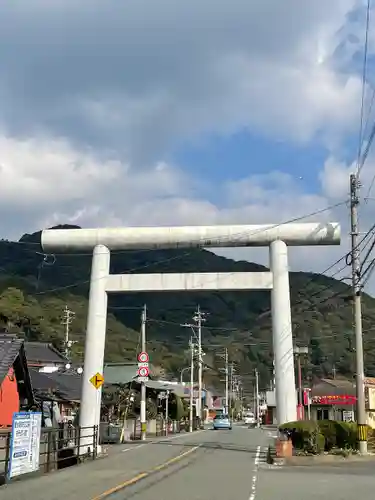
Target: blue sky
x,y
240,155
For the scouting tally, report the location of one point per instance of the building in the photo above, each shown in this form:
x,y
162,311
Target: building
x,y
16,391
332,399
370,400
44,356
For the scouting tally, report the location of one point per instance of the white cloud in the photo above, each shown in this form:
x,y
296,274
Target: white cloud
x,y
140,76
96,94
91,192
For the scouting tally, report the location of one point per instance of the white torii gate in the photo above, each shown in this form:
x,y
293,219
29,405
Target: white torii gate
x,y
102,241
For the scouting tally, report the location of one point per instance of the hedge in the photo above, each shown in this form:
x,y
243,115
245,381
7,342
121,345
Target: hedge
x,y
305,435
323,435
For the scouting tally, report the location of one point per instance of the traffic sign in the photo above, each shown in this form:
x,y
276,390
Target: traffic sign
x,y
143,357
142,365
142,379
143,372
97,380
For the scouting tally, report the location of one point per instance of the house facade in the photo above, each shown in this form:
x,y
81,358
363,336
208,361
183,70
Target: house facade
x,y
16,391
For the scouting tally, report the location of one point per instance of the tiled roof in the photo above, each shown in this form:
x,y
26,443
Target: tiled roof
x,y
119,373
42,352
64,385
9,350
12,354
333,387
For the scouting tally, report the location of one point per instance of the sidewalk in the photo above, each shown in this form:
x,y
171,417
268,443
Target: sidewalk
x,y
85,481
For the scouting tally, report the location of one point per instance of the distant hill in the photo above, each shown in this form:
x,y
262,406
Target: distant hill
x,y
34,290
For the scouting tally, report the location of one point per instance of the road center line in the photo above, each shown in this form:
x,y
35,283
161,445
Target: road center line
x,y
142,475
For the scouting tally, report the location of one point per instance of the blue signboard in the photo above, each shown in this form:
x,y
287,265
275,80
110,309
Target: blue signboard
x,y
25,443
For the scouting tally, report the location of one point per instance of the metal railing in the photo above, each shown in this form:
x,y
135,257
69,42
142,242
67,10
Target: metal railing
x,y
60,447
130,430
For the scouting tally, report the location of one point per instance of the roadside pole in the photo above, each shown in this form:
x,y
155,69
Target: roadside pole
x,y
166,412
226,382
191,385
356,286
143,385
257,396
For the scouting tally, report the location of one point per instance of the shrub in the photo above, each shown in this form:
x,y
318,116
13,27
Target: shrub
x,y
346,435
315,437
303,434
328,429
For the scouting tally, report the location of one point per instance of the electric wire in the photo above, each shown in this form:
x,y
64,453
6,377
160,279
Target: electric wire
x,y
361,158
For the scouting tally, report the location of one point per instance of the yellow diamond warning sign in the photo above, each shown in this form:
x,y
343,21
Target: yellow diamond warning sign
x,y
97,380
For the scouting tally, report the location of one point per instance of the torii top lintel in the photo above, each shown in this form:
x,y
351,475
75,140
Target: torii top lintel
x,y
293,234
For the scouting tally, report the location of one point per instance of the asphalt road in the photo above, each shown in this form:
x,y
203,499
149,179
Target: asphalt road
x,y
224,465
232,464
336,482
208,465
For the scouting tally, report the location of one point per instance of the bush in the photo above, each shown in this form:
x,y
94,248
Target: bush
x,y
305,435
346,435
324,435
329,432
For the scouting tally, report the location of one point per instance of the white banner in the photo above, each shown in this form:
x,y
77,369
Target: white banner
x,y
25,443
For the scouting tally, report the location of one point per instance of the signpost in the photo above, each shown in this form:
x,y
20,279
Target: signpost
x,y
25,443
143,368
143,373
97,380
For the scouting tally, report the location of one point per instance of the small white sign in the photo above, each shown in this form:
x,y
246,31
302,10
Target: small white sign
x,y
142,379
142,365
348,416
25,443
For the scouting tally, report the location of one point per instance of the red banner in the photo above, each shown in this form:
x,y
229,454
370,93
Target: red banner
x,y
343,399
300,412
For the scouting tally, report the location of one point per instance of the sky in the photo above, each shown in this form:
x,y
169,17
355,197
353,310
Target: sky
x,y
140,112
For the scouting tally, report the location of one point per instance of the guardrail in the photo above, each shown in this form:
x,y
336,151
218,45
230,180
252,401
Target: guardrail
x,y
60,447
130,430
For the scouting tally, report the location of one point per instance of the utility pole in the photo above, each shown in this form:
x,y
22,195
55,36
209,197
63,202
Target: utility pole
x,y
356,285
231,385
226,382
191,385
257,396
167,412
143,385
199,318
68,317
298,352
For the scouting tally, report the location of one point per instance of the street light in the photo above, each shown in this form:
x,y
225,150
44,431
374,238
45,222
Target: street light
x,y
182,373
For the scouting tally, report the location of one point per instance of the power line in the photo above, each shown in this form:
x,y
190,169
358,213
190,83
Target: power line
x,y
360,161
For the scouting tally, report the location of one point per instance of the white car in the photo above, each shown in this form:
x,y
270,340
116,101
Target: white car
x,y
250,419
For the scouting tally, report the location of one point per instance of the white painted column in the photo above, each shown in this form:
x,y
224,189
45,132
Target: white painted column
x,y
286,401
94,346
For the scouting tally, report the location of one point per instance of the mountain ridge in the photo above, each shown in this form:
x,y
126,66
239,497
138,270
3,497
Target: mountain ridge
x,y
240,321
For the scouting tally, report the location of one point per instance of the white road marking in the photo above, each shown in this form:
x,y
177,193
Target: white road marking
x,y
134,447
162,440
254,478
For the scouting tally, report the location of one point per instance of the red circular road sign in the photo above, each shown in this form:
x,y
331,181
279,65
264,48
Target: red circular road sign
x,y
143,357
143,371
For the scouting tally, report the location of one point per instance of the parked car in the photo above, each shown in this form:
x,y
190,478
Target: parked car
x,y
222,422
250,420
